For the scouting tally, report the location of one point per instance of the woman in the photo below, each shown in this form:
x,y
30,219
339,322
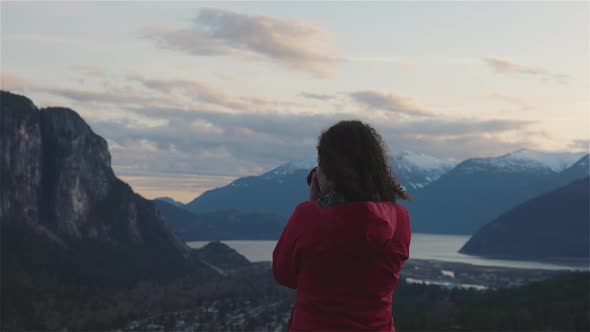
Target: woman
x,y
343,249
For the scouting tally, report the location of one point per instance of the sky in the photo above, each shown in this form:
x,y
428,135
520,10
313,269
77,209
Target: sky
x,y
192,95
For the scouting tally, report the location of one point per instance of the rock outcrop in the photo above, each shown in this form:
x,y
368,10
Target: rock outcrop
x,y
57,181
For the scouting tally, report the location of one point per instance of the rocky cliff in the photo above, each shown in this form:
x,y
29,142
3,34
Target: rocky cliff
x,y
57,184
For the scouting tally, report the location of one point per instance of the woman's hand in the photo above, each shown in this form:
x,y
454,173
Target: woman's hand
x,y
314,187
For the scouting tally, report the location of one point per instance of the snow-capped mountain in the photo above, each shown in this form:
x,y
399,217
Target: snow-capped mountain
x,y
446,198
290,168
281,189
523,160
478,190
417,170
413,170
556,161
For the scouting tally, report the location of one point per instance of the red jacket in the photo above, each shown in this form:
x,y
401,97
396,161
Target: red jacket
x,y
344,262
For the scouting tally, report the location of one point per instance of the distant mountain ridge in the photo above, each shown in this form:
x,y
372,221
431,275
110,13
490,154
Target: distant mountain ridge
x,y
281,189
554,225
417,170
448,198
556,161
221,225
478,190
522,160
170,200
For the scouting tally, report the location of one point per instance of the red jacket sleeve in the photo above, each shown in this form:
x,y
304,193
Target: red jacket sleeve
x,y
285,257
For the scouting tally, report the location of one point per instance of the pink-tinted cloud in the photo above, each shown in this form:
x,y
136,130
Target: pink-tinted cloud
x,y
511,67
220,32
12,82
388,102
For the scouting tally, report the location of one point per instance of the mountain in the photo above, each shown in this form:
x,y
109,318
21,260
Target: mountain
x,y
70,229
276,192
221,225
478,190
578,170
220,254
281,189
556,161
170,200
552,226
59,189
417,170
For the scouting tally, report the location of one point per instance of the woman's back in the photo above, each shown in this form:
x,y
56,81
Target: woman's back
x,y
344,261
342,250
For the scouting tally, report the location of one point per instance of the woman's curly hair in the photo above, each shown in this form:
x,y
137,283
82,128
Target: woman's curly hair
x,y
353,157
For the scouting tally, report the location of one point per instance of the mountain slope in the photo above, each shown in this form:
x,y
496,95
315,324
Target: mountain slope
x,y
71,231
57,179
68,225
170,200
478,190
273,192
221,225
555,225
417,170
578,170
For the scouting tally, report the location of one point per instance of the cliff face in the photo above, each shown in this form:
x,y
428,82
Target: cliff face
x,y
20,163
56,179
76,175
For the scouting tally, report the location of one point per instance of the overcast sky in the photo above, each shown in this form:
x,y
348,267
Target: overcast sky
x,y
191,95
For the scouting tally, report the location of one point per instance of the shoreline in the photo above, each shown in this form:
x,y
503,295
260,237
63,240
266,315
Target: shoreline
x,y
425,248
565,262
439,262
558,265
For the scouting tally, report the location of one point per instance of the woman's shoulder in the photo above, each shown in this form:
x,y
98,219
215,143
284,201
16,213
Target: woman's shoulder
x,y
401,208
312,210
306,209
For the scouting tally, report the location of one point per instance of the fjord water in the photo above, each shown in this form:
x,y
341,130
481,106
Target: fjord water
x,y
424,246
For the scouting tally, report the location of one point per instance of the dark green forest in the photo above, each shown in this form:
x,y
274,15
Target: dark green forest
x,y
556,304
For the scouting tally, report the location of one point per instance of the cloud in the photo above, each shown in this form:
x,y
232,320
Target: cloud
x,y
388,102
266,138
159,129
521,102
143,145
580,145
255,143
460,147
441,127
188,40
161,94
183,187
203,91
508,67
90,71
207,127
219,32
214,96
102,96
12,82
316,96
254,137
